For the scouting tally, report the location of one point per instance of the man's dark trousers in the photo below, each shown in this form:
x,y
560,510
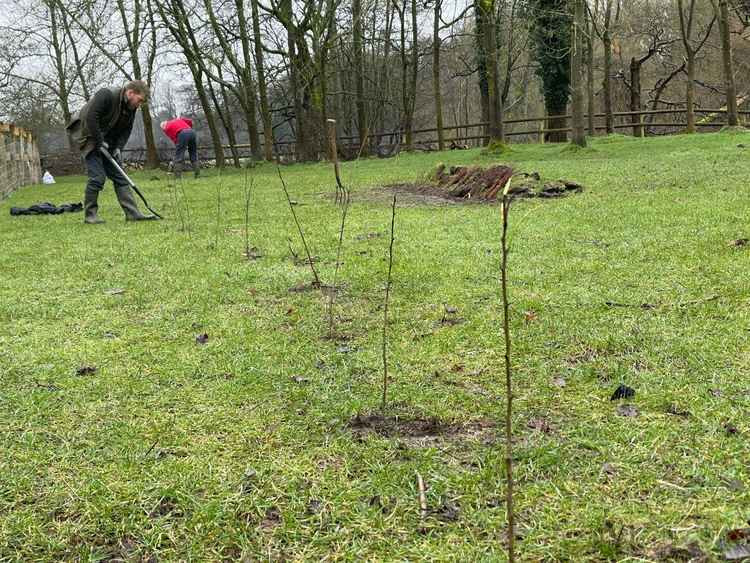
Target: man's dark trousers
x,y
99,169
186,139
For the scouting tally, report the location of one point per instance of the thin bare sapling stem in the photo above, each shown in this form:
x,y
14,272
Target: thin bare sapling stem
x,y
344,192
316,281
505,208
385,308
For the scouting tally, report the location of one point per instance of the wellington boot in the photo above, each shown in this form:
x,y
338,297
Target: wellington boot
x,y
90,208
127,202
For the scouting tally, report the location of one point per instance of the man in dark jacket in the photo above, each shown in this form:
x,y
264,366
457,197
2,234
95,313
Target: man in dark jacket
x,y
106,121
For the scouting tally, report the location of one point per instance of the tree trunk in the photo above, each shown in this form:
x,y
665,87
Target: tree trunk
x,y
484,89
635,96
576,74
208,112
152,155
551,35
225,116
436,76
58,59
410,87
359,73
726,56
495,113
404,71
131,35
607,83
265,111
248,82
591,103
300,145
386,67
690,92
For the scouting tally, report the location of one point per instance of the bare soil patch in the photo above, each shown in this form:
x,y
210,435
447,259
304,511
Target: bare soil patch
x,y
422,432
448,185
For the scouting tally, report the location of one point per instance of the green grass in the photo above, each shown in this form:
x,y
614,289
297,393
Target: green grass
x,y
176,450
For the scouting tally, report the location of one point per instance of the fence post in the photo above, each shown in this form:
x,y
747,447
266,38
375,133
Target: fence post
x,y
541,132
641,130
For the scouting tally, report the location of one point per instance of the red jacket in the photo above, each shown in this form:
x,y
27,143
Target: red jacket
x,y
173,127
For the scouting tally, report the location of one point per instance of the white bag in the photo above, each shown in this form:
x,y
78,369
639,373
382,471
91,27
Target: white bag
x,y
48,178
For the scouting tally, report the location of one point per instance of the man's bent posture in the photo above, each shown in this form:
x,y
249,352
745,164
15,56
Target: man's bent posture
x,y
181,132
105,122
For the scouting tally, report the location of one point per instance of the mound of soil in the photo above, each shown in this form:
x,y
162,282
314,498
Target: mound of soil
x,y
474,182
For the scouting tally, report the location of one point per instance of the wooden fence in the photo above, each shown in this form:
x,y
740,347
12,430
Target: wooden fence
x,y
526,130
19,159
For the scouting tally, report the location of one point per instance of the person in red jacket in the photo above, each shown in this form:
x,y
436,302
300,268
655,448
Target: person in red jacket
x,y
180,131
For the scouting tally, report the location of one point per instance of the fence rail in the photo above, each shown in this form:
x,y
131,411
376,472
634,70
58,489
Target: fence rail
x,y
19,159
641,123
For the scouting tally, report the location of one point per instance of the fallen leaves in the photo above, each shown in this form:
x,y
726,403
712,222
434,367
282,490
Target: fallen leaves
x,y
738,242
201,338
86,370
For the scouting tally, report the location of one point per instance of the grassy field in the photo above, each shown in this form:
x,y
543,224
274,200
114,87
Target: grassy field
x,y
249,446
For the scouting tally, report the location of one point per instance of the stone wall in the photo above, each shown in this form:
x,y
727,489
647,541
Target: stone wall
x,y
63,163
19,159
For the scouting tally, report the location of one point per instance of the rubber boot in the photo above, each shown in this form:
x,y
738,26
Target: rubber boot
x,y
177,169
196,169
127,202
90,207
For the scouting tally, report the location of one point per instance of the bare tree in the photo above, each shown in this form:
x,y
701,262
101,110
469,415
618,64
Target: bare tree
x,y
44,52
576,71
177,21
310,35
605,29
488,22
359,73
136,39
658,39
721,12
265,110
687,27
242,65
